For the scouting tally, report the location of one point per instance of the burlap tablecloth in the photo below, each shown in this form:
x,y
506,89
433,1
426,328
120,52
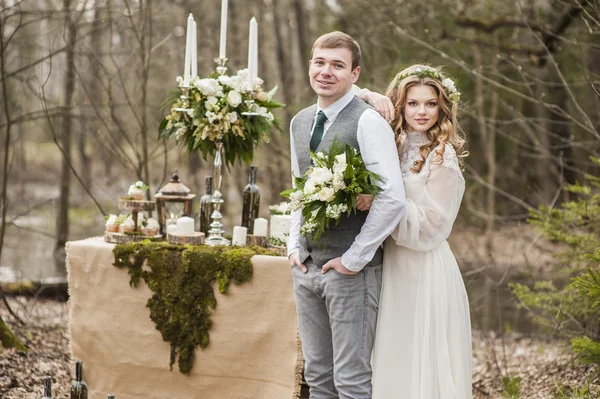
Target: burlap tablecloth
x,y
253,349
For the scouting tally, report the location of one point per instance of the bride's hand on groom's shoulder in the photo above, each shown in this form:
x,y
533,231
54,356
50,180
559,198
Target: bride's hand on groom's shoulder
x,y
381,103
336,264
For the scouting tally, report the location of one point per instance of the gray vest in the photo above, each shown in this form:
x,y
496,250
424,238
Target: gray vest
x,y
344,129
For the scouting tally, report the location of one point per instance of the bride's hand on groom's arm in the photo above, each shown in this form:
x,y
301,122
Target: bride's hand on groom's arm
x,y
364,202
337,265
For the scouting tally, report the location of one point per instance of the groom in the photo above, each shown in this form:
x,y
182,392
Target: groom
x,y
337,309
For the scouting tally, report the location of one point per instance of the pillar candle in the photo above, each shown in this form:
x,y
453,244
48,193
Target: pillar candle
x,y
185,226
188,51
260,227
239,235
172,229
223,42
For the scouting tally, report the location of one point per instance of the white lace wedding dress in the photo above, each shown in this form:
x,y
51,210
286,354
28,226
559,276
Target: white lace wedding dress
x,y
423,340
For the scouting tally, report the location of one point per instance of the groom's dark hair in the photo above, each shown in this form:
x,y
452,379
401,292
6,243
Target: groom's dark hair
x,y
339,40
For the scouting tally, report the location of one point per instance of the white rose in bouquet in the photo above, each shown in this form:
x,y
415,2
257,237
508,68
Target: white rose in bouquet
x,y
226,80
234,98
339,165
310,187
321,175
326,194
209,87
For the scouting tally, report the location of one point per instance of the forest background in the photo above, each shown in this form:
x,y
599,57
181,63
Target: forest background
x,y
82,86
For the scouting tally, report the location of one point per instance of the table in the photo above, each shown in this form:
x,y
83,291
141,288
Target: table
x,y
253,351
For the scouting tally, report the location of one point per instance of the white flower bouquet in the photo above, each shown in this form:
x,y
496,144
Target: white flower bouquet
x,y
330,188
217,108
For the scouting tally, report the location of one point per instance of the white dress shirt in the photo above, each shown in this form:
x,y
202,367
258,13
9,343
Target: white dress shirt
x,y
378,150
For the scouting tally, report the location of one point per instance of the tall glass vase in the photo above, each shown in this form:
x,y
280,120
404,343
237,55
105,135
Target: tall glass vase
x,y
215,234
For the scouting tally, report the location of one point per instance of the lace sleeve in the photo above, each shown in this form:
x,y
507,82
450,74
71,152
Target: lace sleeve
x,y
429,219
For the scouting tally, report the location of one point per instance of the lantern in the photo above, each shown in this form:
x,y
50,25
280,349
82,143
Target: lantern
x,y
172,202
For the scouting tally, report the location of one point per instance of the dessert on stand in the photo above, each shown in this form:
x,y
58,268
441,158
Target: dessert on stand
x,y
132,226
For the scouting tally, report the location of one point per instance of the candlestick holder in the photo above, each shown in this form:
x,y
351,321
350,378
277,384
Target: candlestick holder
x,y
250,105
221,68
185,91
216,227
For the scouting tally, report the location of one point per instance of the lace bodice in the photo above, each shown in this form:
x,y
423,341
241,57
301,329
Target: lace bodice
x,y
412,142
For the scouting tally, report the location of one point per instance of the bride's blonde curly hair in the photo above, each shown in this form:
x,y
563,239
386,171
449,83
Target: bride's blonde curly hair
x,y
445,131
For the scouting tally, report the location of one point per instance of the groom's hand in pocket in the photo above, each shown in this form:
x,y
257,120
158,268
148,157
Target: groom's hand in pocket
x,y
295,260
336,264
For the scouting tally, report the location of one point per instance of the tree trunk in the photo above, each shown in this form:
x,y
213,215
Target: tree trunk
x,y
488,135
7,136
62,220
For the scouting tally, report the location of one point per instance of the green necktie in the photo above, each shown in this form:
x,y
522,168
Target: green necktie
x,y
318,131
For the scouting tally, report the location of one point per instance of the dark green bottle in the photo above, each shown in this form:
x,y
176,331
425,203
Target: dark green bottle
x,y
251,201
47,388
206,206
79,388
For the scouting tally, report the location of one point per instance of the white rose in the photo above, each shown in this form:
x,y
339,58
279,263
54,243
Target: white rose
x,y
321,175
341,158
234,98
232,116
226,80
209,87
449,85
326,194
309,187
139,184
257,81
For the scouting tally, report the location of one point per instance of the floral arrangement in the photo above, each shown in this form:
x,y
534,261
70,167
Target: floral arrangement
x,y
221,108
283,208
330,188
448,83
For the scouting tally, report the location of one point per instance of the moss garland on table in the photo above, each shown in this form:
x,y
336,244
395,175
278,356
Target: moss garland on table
x,y
181,277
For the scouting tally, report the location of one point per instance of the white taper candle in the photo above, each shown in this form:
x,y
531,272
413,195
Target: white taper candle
x,y
188,51
223,42
252,52
194,71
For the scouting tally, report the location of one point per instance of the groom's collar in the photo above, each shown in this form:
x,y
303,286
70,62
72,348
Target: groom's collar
x,y
334,109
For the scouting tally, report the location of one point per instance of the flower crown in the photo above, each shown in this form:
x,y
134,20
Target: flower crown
x,y
448,83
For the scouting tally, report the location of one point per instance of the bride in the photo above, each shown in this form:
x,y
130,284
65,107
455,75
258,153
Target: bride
x,y
423,337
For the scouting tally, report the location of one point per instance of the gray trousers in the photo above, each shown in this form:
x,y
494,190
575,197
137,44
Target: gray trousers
x,y
336,317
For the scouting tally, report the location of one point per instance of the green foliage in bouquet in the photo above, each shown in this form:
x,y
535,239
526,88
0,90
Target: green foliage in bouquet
x,y
214,110
330,188
181,278
574,310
